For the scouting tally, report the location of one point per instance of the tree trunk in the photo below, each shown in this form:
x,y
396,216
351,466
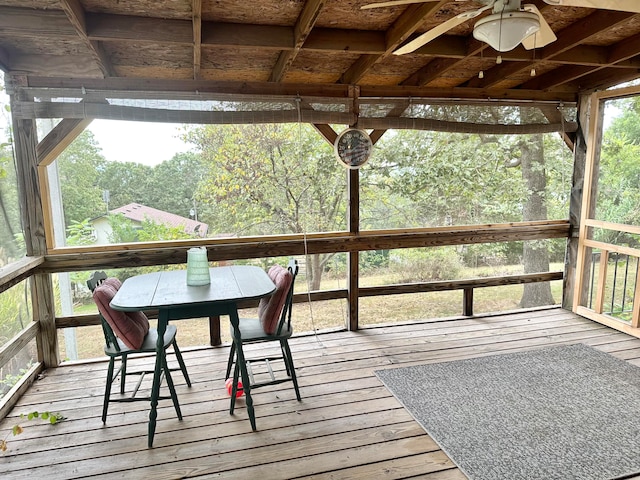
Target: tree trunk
x,y
535,254
314,271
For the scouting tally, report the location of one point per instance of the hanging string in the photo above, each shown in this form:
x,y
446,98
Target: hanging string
x,y
298,101
533,64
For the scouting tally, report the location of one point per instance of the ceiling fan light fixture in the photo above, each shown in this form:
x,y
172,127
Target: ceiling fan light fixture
x,y
505,31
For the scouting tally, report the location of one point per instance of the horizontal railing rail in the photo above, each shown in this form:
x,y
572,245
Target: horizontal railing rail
x,y
167,253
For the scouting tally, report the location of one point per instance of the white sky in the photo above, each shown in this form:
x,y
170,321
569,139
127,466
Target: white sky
x,y
141,142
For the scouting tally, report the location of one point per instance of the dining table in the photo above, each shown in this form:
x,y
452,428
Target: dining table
x,y
168,292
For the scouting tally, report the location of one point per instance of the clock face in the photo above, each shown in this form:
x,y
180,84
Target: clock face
x,y
353,147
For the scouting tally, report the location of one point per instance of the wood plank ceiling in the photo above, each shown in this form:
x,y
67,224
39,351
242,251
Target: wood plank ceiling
x,y
309,47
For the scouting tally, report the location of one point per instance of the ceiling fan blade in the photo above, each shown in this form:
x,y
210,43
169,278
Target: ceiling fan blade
x,y
618,5
542,37
393,3
435,32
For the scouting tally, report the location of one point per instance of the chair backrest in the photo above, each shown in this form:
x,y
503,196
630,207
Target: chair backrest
x,y
130,327
272,310
110,339
288,304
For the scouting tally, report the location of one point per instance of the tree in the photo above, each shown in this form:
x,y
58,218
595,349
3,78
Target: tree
x,y
535,254
271,179
11,247
79,166
124,230
174,184
452,178
618,197
126,182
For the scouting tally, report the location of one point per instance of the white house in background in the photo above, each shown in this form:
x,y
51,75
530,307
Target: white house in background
x,y
137,213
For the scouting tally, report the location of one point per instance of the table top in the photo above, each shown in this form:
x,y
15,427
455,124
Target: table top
x,y
169,288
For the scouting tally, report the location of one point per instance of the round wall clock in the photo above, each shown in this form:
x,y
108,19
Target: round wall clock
x,y
353,147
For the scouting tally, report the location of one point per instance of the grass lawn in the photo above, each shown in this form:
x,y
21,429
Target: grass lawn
x,y
333,314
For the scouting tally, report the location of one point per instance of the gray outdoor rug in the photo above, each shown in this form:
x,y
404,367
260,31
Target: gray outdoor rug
x,y
567,412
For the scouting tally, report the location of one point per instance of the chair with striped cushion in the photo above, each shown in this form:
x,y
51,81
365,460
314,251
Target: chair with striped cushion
x,y
272,325
127,333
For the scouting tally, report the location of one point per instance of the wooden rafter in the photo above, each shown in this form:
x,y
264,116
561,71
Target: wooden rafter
x,y
196,19
76,15
301,30
406,24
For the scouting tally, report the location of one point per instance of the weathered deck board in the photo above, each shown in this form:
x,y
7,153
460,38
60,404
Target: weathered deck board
x,y
347,426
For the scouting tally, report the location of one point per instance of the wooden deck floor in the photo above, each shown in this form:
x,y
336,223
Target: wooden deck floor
x,y
347,426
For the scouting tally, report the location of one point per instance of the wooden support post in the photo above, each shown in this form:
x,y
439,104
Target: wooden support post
x,y
575,204
591,170
635,316
467,302
353,258
602,281
31,209
214,331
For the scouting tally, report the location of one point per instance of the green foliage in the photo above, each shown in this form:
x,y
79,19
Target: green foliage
x,y
151,231
269,179
125,231
80,233
446,179
425,264
79,167
14,313
10,227
618,198
51,418
129,182
10,379
373,260
174,184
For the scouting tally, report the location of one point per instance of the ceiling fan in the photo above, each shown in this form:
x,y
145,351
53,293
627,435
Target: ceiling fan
x,y
509,24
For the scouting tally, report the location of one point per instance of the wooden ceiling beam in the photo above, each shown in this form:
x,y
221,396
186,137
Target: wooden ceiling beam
x,y
4,60
304,24
19,22
395,112
76,15
59,138
168,88
554,115
123,28
196,20
557,77
624,50
605,78
410,20
56,65
440,66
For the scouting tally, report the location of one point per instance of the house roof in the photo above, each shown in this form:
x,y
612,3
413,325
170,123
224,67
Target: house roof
x,y
139,213
309,49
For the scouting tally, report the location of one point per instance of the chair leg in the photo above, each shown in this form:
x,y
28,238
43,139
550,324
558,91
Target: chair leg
x,y
107,389
232,353
123,373
292,371
284,356
183,367
234,389
172,388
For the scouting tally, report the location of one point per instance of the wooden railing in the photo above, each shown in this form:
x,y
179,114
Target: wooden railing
x,y
166,253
